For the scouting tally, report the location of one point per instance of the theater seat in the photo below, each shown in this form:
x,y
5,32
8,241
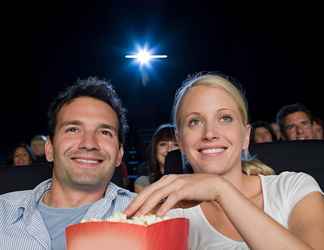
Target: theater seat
x,y
23,177
298,156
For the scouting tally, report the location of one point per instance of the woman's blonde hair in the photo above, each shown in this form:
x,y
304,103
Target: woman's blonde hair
x,y
212,80
232,87
256,167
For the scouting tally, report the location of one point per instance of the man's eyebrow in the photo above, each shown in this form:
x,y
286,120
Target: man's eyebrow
x,y
107,126
79,123
67,123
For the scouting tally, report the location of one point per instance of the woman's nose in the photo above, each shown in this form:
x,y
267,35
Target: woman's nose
x,y
210,132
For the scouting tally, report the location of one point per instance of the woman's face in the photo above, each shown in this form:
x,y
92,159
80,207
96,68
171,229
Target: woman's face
x,y
162,149
211,131
21,157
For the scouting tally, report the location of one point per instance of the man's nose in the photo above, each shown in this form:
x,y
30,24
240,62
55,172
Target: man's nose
x,y
300,129
89,141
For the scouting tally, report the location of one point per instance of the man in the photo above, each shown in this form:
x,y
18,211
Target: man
x,y
87,125
37,144
295,122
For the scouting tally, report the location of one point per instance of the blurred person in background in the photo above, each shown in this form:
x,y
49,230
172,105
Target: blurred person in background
x,y
276,130
37,145
318,129
163,141
262,132
21,155
295,122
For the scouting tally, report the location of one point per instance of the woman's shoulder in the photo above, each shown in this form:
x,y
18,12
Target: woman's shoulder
x,y
289,187
290,179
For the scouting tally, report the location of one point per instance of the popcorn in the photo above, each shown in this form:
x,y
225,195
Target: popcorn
x,y
144,220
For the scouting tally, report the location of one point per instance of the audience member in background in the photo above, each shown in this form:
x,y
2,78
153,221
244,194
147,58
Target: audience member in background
x,y
37,144
261,132
318,130
276,130
120,177
87,125
213,133
163,141
295,122
21,156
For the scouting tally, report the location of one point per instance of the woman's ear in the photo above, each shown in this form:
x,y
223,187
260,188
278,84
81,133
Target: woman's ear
x,y
246,139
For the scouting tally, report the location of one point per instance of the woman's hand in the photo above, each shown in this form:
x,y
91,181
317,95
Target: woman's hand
x,y
171,189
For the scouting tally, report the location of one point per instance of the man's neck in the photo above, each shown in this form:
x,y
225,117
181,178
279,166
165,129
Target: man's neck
x,y
64,197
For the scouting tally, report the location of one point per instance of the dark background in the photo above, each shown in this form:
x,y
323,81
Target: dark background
x,y
273,48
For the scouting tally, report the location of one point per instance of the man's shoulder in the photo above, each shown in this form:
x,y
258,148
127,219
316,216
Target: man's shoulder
x,y
15,198
122,192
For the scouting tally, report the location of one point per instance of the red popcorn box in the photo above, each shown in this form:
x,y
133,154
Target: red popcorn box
x,y
171,234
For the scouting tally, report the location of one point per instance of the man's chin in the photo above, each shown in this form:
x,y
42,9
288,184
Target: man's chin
x,y
89,185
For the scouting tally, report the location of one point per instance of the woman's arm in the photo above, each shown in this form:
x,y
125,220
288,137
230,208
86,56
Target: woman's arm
x,y
250,222
306,221
248,219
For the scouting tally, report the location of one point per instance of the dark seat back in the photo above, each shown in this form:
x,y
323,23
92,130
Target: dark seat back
x,y
23,177
299,156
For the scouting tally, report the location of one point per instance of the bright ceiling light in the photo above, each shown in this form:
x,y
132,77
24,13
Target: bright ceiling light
x,y
144,56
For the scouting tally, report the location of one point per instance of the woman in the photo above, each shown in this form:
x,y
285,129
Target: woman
x,y
163,141
213,133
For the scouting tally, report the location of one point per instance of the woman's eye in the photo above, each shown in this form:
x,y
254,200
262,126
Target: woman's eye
x,y
226,119
194,122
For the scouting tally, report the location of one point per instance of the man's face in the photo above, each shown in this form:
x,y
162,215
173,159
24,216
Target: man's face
x,y
85,148
298,126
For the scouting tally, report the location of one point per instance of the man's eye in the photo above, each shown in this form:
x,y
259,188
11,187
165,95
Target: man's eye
x,y
226,119
290,127
306,124
107,133
71,130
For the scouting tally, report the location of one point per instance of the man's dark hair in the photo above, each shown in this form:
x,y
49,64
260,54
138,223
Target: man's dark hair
x,y
289,109
92,87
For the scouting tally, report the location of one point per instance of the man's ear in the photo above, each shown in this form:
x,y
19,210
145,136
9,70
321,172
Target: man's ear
x,y
246,139
49,152
120,155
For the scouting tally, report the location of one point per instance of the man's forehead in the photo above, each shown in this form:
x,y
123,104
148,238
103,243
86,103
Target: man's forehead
x,y
297,117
